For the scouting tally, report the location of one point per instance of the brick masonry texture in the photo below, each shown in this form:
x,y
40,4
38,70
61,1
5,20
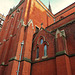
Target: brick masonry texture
x,y
59,36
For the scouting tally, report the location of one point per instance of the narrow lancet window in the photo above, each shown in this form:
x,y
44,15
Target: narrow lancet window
x,y
37,56
41,41
45,50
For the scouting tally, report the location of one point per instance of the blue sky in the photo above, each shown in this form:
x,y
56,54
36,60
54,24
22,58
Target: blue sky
x,y
56,5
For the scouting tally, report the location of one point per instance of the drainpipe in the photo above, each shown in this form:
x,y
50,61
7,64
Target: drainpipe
x,y
20,57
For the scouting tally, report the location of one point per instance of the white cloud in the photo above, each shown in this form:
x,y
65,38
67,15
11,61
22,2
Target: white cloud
x,y
5,5
60,4
56,5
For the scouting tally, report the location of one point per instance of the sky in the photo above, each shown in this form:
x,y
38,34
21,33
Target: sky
x,y
56,5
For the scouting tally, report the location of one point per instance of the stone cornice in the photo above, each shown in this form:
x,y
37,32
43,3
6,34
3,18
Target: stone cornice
x,y
58,54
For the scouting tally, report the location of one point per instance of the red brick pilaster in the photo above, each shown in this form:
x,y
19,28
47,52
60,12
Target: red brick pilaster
x,y
61,44
27,51
63,65
62,60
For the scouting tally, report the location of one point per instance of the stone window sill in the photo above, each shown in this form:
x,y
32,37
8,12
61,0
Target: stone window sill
x,y
44,57
37,59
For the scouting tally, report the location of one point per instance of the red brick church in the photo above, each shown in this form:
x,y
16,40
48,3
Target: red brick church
x,y
34,41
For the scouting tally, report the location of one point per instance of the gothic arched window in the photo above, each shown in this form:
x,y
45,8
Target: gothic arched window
x,y
41,41
45,50
37,55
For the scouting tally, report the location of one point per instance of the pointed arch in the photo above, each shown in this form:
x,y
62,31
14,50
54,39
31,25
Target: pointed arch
x,y
40,38
46,43
35,47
